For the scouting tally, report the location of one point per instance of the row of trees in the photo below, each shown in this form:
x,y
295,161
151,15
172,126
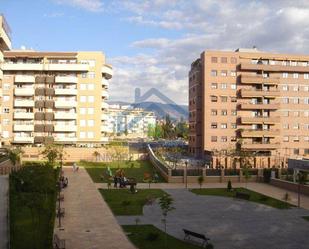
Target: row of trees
x,y
168,129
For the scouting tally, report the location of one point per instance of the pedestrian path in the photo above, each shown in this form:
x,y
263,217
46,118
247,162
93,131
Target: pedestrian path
x,y
262,188
88,221
4,186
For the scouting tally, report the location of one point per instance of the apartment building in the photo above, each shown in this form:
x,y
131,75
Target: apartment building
x,y
251,101
129,122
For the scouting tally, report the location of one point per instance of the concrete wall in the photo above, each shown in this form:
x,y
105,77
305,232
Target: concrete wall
x,y
290,186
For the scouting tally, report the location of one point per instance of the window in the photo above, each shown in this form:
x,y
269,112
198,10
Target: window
x,y
213,138
84,75
306,101
214,125
82,122
223,98
286,126
306,76
83,86
295,75
213,72
6,121
306,126
223,112
82,134
90,111
6,98
213,112
90,122
306,88
306,113
233,86
233,139
296,100
234,112
306,139
82,110
285,75
6,110
90,86
224,139
83,99
214,85
285,88
223,73
296,126
296,151
5,134
223,85
233,73
285,113
90,99
6,86
285,100
233,60
90,134
223,60
233,125
296,114
295,88
214,98
91,63
91,75
223,126
214,59
286,139
233,99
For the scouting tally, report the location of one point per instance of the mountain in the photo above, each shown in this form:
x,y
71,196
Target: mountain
x,y
176,112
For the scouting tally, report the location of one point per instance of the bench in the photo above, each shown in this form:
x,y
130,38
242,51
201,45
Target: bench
x,y
58,243
60,212
189,234
242,196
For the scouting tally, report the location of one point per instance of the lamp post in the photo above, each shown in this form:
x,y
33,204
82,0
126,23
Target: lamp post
x,y
186,163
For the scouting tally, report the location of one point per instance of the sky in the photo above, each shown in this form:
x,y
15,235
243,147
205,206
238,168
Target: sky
x,y
152,43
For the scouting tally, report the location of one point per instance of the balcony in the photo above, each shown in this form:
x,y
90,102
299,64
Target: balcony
x,y
104,117
5,41
1,74
24,91
22,67
23,127
105,94
65,128
260,146
107,71
273,68
24,79
260,133
104,128
105,83
65,103
260,120
248,93
66,79
259,106
23,139
104,139
23,115
65,139
65,91
259,80
65,115
104,105
66,67
24,103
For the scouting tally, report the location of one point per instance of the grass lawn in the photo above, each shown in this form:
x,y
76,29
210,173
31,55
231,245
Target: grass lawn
x,y
135,169
122,202
140,236
254,196
306,218
32,207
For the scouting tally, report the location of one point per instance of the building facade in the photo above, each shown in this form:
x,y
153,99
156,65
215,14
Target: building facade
x,y
251,101
129,122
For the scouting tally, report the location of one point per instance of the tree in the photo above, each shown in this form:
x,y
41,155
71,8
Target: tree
x,y
246,174
15,155
96,155
200,181
118,153
167,128
182,129
166,203
53,153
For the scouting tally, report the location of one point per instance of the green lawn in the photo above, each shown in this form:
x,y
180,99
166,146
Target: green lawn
x,y
122,202
306,218
254,196
32,207
140,236
135,169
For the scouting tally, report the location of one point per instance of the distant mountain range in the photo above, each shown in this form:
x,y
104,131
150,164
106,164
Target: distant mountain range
x,y
176,112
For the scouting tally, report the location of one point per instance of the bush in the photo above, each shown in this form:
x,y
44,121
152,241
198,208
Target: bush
x,y
209,246
229,185
152,236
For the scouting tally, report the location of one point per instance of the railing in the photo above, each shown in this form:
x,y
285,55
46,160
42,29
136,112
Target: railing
x,y
156,162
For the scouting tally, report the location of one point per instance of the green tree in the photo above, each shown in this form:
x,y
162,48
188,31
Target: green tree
x,y
246,174
182,129
15,155
96,155
200,181
52,153
167,128
166,203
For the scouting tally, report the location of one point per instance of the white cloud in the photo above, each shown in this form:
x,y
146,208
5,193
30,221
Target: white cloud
x,y
89,5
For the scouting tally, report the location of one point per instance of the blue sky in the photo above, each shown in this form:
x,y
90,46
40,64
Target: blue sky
x,y
151,43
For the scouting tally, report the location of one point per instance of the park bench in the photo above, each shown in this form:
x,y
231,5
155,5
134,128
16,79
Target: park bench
x,y
241,195
190,234
60,212
58,243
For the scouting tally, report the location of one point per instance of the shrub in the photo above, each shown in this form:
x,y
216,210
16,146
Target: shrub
x,y
209,246
152,236
229,185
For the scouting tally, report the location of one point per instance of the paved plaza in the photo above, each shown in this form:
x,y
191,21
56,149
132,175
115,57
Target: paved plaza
x,y
4,184
230,223
88,221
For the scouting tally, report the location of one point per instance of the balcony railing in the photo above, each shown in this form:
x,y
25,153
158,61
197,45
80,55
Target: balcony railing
x,y
107,71
260,133
273,68
260,120
23,127
24,79
259,79
105,94
23,139
23,115
65,128
104,105
259,93
260,106
65,103
65,91
23,103
259,146
24,91
66,79
65,115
